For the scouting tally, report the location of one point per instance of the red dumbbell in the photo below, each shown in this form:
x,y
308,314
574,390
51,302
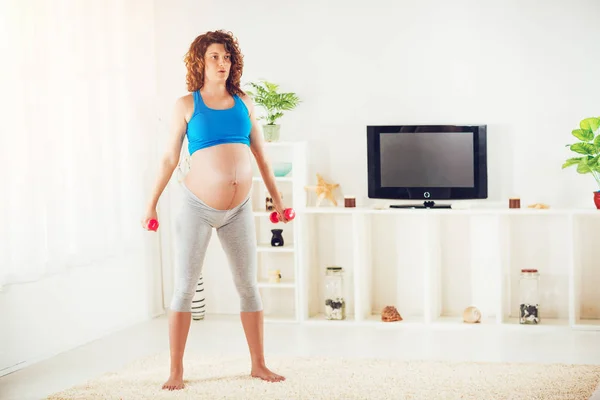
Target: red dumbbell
x,y
153,225
289,214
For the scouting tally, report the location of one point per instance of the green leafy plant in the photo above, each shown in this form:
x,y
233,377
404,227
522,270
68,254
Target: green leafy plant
x,y
266,94
588,147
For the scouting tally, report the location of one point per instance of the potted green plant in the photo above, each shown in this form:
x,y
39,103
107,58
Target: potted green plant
x,y
588,149
266,95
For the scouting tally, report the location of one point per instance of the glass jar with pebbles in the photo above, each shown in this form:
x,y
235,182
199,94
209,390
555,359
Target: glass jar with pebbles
x,y
529,297
335,305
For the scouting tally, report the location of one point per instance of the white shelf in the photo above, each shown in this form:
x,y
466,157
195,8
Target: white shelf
x,y
444,321
371,320
333,210
587,324
267,248
281,285
319,319
544,325
375,319
446,211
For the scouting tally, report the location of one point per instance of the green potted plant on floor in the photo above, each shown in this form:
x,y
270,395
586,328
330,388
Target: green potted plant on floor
x,y
588,149
266,95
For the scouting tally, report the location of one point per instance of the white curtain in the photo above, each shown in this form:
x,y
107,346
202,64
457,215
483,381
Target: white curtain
x,y
78,133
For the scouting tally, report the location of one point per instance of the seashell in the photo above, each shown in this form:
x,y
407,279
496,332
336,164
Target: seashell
x,y
472,315
390,314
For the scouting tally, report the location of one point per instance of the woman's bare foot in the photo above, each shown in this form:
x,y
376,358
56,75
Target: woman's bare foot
x,y
175,382
266,375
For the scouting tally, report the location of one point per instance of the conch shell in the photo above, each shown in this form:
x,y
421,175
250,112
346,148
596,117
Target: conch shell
x,y
390,314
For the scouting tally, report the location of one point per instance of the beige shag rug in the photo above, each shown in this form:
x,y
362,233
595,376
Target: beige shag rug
x,y
330,378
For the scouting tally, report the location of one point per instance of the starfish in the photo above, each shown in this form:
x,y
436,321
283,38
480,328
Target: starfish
x,y
323,190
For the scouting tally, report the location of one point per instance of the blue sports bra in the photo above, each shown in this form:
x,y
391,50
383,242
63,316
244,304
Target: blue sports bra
x,y
210,127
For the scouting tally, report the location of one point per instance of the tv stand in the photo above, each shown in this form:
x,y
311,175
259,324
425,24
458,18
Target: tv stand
x,y
426,204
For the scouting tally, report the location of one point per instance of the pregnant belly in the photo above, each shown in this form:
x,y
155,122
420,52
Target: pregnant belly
x,y
221,176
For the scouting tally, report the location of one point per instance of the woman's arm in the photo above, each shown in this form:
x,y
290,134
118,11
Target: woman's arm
x,y
170,157
263,163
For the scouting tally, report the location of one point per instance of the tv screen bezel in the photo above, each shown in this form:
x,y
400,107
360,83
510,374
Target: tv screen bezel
x,y
376,191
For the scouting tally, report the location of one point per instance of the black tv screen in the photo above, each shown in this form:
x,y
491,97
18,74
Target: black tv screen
x,y
427,162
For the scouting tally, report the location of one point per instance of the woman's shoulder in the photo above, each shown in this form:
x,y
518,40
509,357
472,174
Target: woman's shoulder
x,y
184,105
247,100
186,99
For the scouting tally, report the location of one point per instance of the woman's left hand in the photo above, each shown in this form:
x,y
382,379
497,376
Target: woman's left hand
x,y
280,208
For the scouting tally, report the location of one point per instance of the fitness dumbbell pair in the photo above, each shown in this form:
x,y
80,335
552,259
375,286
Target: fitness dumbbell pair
x,y
289,214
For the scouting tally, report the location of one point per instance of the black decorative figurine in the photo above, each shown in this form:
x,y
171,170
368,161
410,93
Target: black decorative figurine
x,y
277,239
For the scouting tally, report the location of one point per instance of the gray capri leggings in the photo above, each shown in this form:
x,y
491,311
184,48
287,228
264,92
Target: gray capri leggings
x,y
235,228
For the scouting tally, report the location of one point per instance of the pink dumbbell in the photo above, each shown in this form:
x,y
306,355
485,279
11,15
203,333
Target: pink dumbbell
x,y
153,225
289,214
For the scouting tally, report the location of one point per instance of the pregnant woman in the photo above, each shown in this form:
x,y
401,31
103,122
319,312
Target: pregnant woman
x,y
219,121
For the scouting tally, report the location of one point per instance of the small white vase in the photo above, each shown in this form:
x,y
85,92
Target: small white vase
x,y
199,301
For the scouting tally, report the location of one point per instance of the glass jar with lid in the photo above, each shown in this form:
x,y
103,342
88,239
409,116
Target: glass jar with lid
x,y
529,296
335,305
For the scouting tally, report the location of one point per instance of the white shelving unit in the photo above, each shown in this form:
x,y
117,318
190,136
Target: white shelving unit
x,y
281,300
429,264
432,264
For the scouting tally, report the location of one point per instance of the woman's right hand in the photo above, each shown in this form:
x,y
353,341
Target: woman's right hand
x,y
150,214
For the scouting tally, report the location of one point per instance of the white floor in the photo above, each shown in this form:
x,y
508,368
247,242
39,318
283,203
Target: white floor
x,y
216,336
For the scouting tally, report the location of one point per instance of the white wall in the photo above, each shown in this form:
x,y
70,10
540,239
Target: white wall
x,y
529,70
65,310
61,312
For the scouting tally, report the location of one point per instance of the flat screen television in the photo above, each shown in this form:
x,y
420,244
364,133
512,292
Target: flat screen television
x,y
427,163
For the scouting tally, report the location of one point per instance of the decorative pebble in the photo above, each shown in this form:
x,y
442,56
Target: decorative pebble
x,y
335,308
529,314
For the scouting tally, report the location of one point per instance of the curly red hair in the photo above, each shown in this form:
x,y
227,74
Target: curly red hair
x,y
194,61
